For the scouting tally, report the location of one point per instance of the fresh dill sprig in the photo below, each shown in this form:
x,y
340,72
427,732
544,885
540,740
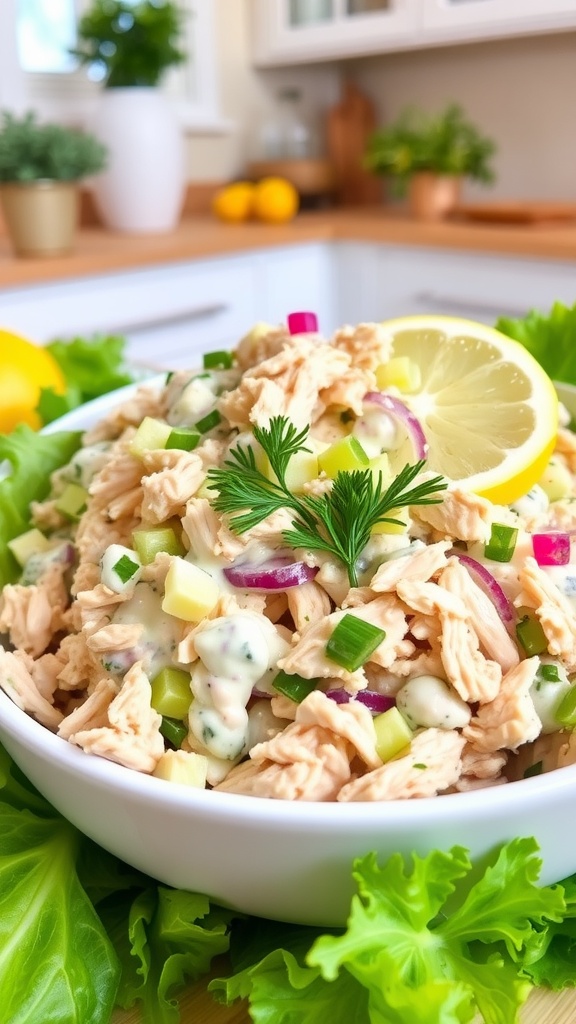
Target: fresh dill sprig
x,y
339,522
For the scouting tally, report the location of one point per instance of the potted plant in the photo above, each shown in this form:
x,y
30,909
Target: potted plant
x,y
41,166
428,156
130,46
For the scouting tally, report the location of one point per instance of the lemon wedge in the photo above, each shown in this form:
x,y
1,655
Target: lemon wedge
x,y
487,408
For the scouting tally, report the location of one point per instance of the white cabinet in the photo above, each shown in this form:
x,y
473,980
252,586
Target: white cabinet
x,y
377,282
170,314
300,31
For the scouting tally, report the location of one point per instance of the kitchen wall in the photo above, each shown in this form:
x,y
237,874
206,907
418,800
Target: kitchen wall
x,y
521,91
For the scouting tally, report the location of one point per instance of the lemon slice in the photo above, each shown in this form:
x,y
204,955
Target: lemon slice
x,y
487,408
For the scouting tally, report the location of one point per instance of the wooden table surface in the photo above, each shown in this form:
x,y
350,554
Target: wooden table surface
x,y
198,1007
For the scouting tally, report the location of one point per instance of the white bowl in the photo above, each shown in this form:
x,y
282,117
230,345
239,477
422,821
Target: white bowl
x,y
288,861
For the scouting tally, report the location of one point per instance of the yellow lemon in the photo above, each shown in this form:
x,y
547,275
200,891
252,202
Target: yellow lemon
x,y
234,202
487,408
276,200
24,369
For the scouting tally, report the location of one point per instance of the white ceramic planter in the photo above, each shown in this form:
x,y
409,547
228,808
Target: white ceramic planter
x,y
142,189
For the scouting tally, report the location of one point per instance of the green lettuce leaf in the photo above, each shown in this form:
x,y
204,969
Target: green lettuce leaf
x,y
91,367
32,458
549,337
57,964
555,968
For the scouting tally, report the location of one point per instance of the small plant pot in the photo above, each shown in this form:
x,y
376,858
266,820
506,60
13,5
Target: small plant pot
x,y
41,216
433,196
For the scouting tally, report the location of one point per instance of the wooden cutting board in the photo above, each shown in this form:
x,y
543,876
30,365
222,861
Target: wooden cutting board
x,y
348,126
529,212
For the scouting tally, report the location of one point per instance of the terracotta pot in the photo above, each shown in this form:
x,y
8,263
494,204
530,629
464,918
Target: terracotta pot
x,y
433,196
41,216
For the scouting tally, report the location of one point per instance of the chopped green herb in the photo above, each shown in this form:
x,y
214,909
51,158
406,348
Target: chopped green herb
x,y
294,686
209,422
174,731
548,674
533,769
500,547
422,767
353,641
566,710
125,568
217,360
339,522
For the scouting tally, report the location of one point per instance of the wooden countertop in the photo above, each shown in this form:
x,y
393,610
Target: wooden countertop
x,y
198,1005
201,237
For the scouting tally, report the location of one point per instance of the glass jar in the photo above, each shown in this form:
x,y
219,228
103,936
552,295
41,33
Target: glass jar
x,y
287,134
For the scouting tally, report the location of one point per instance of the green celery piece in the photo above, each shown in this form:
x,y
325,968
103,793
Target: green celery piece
x,y
398,936
549,337
531,635
33,458
208,422
56,963
184,438
566,710
294,686
352,642
221,360
500,547
174,731
171,693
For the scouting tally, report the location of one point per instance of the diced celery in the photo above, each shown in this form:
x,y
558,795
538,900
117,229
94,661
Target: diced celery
x,y
344,455
500,547
294,686
531,635
566,710
184,438
393,734
183,767
147,543
151,434
189,592
171,693
400,372
380,466
72,502
174,730
33,542
353,641
556,480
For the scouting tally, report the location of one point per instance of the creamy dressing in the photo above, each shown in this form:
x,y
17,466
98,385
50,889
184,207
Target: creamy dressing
x,y
530,504
83,466
563,577
37,564
377,432
160,635
238,653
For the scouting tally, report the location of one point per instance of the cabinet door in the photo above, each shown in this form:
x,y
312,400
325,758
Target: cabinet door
x,y
381,282
480,18
299,31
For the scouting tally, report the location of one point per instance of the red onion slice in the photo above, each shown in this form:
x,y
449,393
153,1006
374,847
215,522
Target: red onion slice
x,y
400,412
278,574
484,578
551,548
375,702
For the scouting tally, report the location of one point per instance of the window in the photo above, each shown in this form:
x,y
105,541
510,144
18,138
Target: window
x,y
37,71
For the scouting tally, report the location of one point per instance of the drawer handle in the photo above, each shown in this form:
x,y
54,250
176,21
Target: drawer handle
x,y
450,304
177,317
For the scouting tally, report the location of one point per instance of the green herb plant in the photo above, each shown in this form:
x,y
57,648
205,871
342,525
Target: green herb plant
x,y
131,44
339,522
30,151
446,143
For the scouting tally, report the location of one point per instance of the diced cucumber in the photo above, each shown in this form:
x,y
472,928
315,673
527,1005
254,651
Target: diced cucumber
x,y
208,422
556,480
393,734
344,455
400,372
171,693
183,767
151,434
184,438
147,543
120,568
302,468
33,542
189,592
72,502
380,466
